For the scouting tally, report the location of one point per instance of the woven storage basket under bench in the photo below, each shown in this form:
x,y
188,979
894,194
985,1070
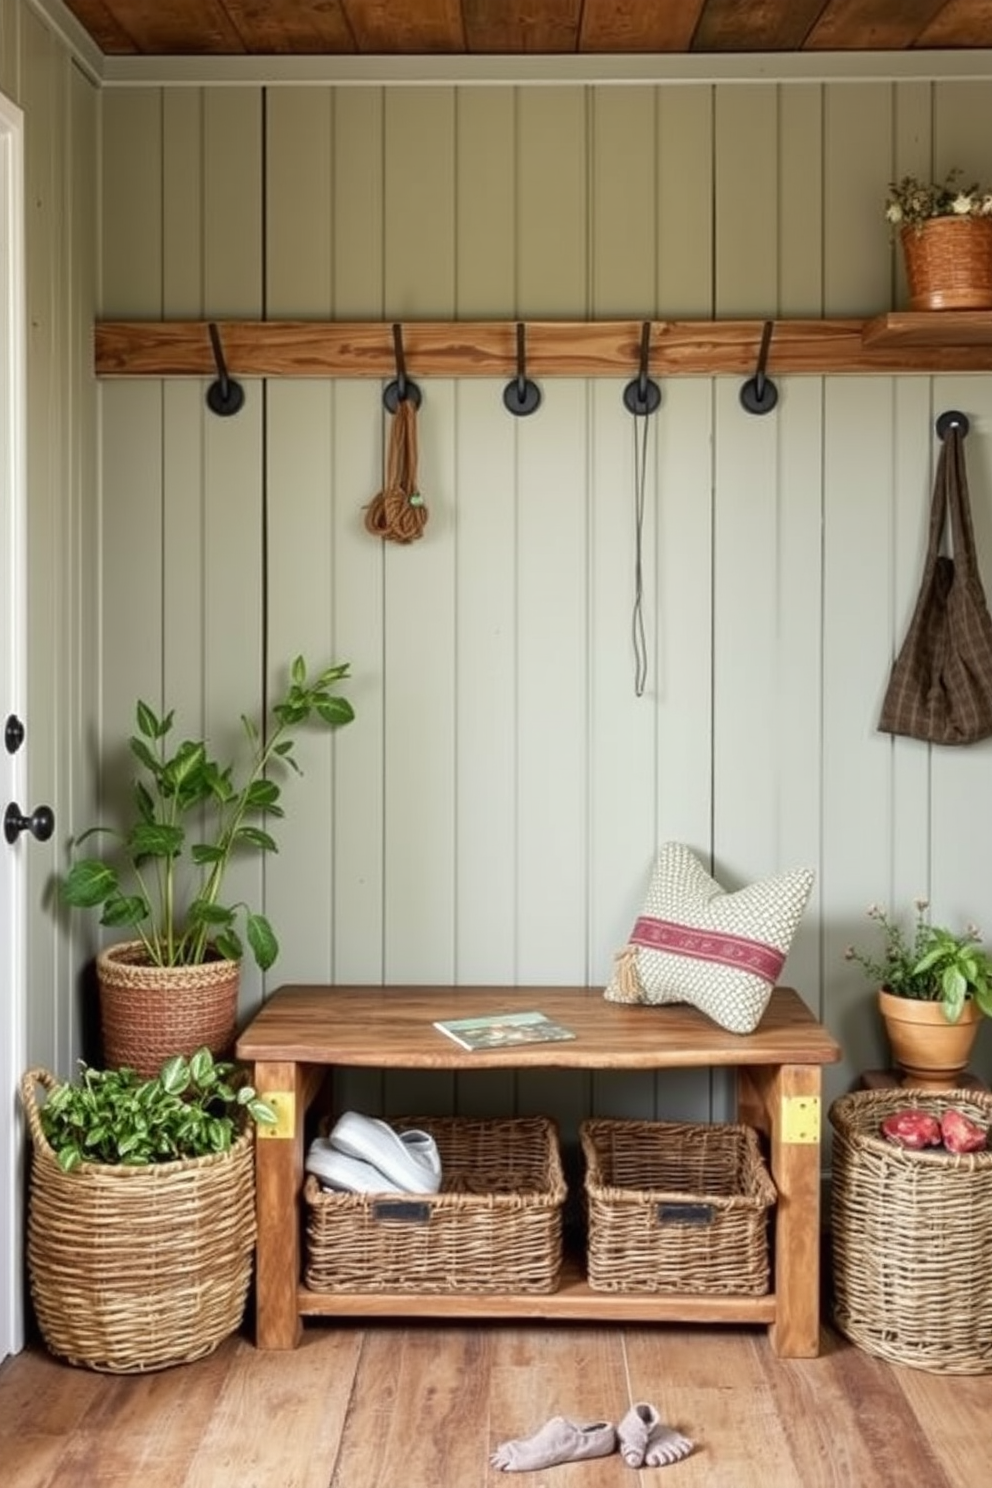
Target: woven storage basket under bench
x,y
912,1235
495,1226
676,1207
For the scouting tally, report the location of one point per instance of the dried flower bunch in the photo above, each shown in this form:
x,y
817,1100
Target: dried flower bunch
x,y
912,201
933,965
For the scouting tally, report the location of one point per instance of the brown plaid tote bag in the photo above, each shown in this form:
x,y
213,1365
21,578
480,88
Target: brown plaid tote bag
x,y
940,689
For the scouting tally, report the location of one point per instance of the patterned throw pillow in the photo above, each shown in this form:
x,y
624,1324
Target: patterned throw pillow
x,y
696,943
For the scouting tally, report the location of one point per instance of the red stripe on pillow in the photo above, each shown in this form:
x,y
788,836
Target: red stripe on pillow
x,y
708,945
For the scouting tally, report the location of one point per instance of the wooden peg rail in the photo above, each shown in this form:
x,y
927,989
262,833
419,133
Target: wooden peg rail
x,y
938,341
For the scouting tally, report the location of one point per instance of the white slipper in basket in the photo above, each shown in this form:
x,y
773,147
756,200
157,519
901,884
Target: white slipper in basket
x,y
409,1159
336,1170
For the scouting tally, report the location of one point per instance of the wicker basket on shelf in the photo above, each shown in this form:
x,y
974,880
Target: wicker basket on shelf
x,y
137,1268
495,1226
949,263
676,1207
912,1235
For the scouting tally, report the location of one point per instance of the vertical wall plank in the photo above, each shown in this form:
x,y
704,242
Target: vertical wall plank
x,y
232,224
299,238
418,228
299,879
622,724
745,234
552,684
798,720
857,168
622,212
182,216
552,250
857,864
685,202
962,118
357,221
914,460
800,150
184,578
232,490
485,202
132,228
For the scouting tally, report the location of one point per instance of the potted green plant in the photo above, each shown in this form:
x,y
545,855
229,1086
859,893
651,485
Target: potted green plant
x,y
141,1210
934,986
173,987
946,233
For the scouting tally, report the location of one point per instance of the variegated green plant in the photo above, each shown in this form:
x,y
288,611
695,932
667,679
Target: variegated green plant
x,y
192,1108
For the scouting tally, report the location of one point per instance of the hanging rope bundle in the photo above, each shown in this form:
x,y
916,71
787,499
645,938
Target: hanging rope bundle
x,y
398,513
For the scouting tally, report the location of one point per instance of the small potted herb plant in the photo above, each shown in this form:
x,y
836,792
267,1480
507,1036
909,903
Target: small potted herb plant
x,y
934,987
141,1210
174,986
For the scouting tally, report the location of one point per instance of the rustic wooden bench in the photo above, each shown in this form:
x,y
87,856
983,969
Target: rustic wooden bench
x,y
302,1031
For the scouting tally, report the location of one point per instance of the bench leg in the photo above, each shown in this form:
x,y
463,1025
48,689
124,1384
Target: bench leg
x,y
785,1102
278,1180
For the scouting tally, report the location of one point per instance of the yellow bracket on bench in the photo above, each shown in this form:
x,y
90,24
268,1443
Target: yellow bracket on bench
x,y
800,1119
283,1102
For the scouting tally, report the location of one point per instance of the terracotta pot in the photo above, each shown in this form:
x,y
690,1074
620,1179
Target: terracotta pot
x,y
949,263
931,1053
148,1013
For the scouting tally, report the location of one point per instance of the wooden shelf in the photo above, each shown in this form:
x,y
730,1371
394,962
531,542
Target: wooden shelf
x,y
574,1300
931,329
945,341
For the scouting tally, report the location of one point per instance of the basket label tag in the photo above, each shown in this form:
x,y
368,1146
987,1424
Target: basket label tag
x,y
685,1214
402,1209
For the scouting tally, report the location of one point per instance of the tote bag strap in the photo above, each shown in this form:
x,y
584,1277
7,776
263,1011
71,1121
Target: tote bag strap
x,y
955,492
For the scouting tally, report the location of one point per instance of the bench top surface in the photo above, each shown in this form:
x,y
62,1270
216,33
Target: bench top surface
x,y
393,1027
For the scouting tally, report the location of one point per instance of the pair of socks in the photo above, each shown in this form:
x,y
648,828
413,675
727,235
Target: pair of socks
x,y
642,1437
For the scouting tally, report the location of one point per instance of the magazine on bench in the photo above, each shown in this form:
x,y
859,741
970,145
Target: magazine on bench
x,y
504,1030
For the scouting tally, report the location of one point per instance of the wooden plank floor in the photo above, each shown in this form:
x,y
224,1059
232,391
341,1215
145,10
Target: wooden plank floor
x,y
422,1406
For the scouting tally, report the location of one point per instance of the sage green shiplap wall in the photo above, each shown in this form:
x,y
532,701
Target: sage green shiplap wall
x,y
493,813
61,157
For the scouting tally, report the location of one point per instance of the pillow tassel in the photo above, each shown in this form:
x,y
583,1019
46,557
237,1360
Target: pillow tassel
x,y
626,983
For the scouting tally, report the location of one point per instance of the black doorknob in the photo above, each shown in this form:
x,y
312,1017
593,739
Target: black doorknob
x,y
41,822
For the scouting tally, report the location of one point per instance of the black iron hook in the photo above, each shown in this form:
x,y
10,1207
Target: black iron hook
x,y
401,389
521,396
952,420
225,396
759,394
642,394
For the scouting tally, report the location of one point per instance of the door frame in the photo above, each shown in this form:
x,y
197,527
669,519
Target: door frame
x,y
13,668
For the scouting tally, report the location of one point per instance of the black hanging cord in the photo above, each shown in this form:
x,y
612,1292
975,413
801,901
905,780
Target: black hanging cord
x,y
637,620
225,396
521,396
759,394
401,389
952,420
643,395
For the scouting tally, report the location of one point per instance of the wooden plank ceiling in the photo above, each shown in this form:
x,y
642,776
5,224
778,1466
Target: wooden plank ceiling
x,y
513,27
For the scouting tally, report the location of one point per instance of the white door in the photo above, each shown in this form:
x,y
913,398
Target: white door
x,y
13,1044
